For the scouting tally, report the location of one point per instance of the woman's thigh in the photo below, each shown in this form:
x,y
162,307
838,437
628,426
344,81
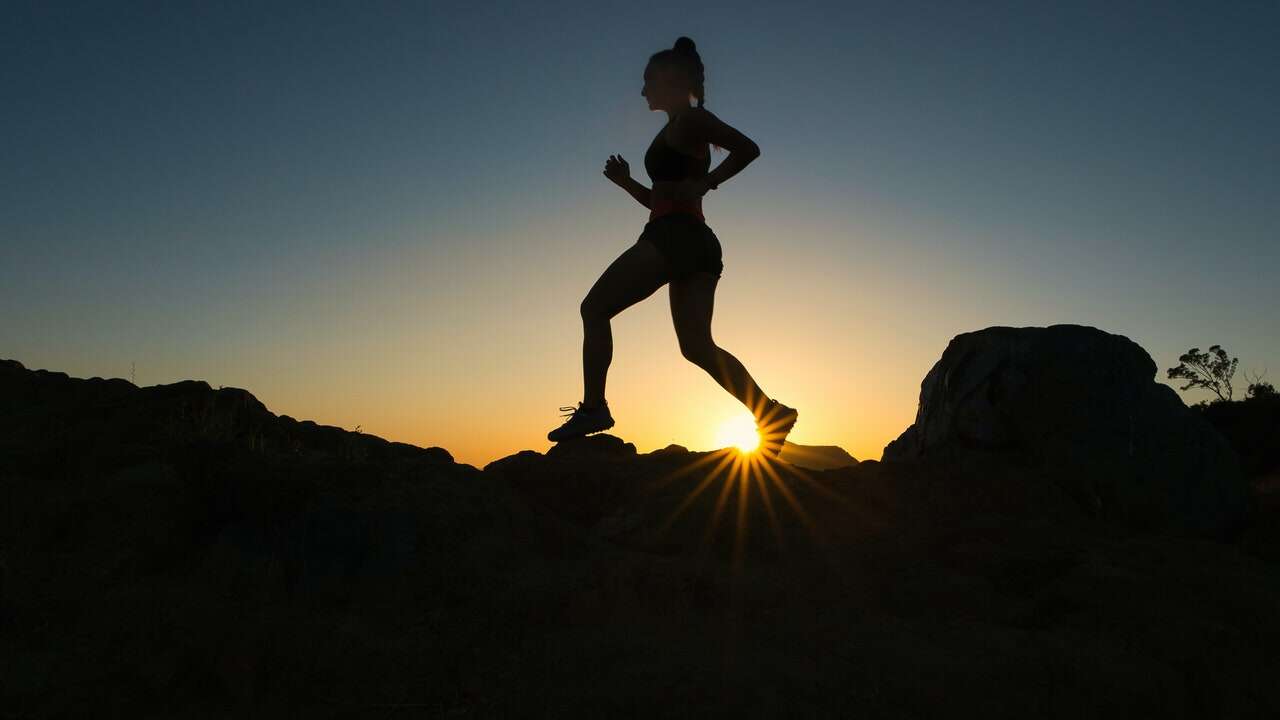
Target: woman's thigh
x,y
692,303
635,275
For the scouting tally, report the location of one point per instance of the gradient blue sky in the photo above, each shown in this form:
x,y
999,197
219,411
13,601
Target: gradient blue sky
x,y
386,214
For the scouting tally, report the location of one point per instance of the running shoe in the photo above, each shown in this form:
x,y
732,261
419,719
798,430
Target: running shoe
x,y
774,423
582,421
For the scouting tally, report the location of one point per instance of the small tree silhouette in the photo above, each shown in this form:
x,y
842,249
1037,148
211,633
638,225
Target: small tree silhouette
x,y
1209,370
1258,387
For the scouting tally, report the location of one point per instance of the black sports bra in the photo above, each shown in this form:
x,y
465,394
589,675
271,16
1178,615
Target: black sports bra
x,y
666,164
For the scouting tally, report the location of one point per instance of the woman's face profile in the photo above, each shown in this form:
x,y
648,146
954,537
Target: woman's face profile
x,y
661,89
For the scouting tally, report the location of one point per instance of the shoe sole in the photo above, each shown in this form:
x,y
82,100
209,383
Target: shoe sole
x,y
780,433
589,432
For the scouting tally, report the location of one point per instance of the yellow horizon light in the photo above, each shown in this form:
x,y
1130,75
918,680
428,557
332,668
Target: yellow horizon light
x,y
739,431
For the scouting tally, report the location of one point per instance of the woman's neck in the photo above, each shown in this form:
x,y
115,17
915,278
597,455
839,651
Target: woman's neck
x,y
673,114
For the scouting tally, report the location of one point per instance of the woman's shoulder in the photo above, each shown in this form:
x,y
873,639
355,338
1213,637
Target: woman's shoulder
x,y
689,130
698,118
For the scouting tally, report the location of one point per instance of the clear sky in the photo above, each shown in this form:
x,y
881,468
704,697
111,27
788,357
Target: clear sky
x,y
386,215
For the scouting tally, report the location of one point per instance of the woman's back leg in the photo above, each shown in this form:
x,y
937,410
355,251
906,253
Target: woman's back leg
x,y
692,303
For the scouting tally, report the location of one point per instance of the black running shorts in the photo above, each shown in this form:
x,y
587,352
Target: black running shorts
x,y
686,242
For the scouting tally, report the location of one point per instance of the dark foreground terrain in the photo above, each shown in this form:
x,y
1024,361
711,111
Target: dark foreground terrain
x,y
1050,539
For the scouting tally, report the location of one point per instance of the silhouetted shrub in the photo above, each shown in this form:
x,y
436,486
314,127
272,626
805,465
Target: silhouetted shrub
x,y
1260,390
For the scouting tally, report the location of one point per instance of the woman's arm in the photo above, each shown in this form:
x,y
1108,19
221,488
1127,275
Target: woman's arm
x,y
637,191
619,173
706,127
727,168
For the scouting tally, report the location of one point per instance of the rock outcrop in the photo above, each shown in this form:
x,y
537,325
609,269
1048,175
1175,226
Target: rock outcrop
x,y
180,551
1079,408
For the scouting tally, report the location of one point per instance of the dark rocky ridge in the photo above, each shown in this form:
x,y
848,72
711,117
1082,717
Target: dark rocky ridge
x,y
179,550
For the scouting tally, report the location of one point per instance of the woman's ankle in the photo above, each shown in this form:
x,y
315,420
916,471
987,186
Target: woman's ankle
x,y
764,408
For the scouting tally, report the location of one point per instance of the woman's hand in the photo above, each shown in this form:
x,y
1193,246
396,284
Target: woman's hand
x,y
617,169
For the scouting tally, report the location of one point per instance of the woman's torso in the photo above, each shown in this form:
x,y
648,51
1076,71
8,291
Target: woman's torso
x,y
668,167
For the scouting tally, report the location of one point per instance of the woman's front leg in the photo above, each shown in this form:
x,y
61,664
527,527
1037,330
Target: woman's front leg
x,y
635,275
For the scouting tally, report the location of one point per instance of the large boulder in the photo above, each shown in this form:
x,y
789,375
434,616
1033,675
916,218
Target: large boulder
x,y
1077,407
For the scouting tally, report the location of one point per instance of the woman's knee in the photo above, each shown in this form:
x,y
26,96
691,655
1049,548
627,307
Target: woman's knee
x,y
592,311
701,352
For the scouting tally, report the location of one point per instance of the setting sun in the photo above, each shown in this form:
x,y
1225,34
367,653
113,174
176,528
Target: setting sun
x,y
738,431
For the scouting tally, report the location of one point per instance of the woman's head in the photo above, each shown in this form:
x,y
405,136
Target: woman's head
x,y
673,76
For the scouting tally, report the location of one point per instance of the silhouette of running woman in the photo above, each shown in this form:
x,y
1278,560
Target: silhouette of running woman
x,y
676,247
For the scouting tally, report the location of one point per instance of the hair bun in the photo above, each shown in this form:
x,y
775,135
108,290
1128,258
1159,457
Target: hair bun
x,y
685,45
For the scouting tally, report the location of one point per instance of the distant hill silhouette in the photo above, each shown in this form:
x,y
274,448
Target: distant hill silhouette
x,y
179,550
816,457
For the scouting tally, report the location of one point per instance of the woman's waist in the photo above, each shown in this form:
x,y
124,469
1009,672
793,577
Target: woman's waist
x,y
666,206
